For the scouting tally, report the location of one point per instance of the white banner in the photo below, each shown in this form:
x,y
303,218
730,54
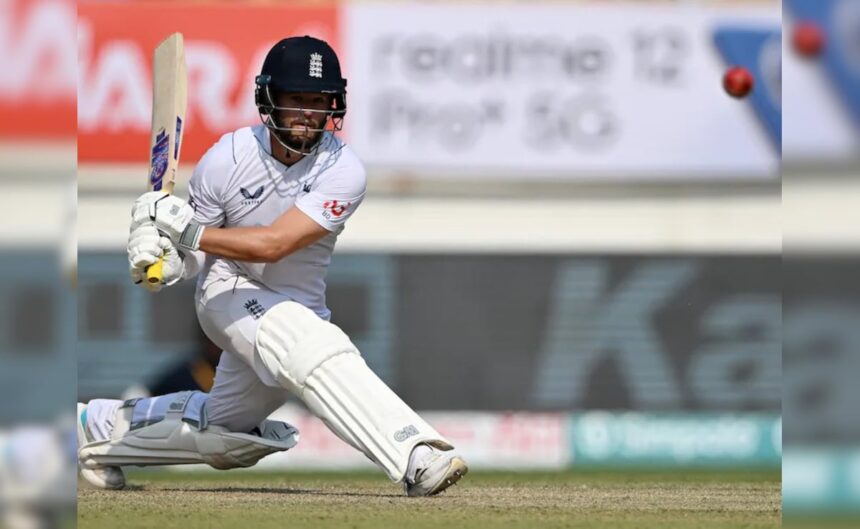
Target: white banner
x,y
550,91
487,440
815,127
818,126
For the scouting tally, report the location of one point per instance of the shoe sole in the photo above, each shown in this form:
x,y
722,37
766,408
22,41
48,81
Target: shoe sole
x,y
82,440
457,468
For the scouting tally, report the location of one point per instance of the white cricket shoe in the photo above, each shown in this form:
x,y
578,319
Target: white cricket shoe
x,y
435,472
102,477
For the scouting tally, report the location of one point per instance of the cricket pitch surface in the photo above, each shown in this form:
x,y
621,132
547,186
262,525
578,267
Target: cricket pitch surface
x,y
166,499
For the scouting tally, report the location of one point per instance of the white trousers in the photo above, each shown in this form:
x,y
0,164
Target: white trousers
x,y
338,387
244,392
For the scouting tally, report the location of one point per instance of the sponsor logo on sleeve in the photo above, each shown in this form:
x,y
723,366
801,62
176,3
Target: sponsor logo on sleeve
x,y
333,208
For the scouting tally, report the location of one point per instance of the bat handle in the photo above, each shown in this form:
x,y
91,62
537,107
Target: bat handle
x,y
154,271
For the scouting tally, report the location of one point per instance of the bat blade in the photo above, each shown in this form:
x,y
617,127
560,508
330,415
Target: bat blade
x,y
169,104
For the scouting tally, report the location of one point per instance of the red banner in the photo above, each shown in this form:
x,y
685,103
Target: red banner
x,y
224,46
39,69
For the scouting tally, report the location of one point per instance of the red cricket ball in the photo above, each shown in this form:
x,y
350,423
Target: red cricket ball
x,y
808,39
738,82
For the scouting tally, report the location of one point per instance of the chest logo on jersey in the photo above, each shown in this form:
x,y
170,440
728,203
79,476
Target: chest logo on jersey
x,y
333,208
251,198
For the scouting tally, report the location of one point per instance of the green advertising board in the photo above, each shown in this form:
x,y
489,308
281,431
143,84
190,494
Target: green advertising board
x,y
676,440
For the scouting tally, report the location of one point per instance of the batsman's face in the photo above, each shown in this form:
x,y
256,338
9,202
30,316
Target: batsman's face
x,y
310,114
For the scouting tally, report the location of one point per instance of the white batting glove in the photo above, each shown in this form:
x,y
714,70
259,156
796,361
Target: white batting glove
x,y
145,247
140,209
171,215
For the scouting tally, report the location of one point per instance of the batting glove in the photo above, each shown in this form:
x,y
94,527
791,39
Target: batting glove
x,y
145,247
171,215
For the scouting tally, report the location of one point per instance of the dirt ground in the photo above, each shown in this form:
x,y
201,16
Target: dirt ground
x,y
241,499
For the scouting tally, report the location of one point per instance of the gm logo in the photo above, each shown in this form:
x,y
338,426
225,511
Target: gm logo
x,y
405,433
760,51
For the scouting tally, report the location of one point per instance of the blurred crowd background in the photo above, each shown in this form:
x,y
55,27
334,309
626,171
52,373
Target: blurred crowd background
x,y
605,259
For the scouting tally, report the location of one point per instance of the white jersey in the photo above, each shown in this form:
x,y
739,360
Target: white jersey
x,y
239,183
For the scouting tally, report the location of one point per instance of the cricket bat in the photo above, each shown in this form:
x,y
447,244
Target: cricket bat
x,y
169,102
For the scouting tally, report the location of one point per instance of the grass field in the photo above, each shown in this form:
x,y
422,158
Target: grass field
x,y
587,499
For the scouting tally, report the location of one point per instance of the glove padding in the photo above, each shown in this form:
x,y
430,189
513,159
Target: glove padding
x,y
145,247
169,213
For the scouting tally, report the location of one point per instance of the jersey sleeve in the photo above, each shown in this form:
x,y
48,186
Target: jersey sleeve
x,y
208,181
335,198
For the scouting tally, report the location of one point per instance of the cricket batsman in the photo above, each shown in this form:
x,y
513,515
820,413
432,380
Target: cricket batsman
x,y
266,206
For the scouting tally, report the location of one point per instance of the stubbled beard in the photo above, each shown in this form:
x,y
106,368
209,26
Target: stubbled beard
x,y
300,143
303,143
